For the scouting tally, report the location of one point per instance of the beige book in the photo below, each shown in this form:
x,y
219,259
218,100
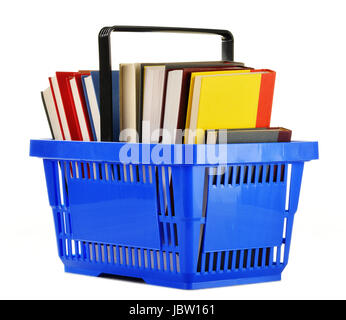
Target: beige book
x,y
129,101
153,88
52,115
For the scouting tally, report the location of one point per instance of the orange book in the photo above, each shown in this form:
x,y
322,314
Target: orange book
x,y
265,100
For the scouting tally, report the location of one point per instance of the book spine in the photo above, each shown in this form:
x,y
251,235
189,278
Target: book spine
x,y
71,113
82,98
163,99
183,101
116,105
57,109
265,99
87,104
140,102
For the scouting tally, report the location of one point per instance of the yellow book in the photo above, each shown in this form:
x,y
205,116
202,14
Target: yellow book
x,y
222,100
192,83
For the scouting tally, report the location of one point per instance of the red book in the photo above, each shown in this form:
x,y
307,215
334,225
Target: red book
x,y
79,101
68,103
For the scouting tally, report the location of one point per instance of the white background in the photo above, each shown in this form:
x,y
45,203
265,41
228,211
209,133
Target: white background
x,y
303,41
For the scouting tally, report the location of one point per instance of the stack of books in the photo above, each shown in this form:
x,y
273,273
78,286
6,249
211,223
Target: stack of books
x,y
187,102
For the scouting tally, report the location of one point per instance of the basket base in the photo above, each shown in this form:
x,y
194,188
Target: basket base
x,y
182,285
213,284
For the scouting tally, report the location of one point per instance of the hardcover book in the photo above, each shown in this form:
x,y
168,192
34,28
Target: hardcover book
x,y
81,107
68,104
95,75
228,100
52,115
166,68
257,135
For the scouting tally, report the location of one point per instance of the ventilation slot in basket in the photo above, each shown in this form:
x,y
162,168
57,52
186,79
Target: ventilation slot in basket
x,y
165,202
169,234
120,255
110,172
62,184
165,188
246,174
241,260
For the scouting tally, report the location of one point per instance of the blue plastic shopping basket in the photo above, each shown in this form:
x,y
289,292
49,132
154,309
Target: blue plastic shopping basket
x,y
181,223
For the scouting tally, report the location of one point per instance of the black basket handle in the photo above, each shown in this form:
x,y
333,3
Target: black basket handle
x,y
227,50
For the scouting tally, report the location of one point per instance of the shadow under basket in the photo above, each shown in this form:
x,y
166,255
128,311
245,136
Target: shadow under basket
x,y
184,224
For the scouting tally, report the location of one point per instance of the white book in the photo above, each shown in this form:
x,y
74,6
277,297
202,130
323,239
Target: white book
x,y
129,101
211,137
154,77
79,110
61,110
172,104
93,105
52,114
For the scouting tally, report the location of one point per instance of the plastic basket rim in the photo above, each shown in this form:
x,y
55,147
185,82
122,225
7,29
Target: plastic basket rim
x,y
178,154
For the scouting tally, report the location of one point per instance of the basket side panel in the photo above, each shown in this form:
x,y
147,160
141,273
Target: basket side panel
x,y
250,252
246,204
113,205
